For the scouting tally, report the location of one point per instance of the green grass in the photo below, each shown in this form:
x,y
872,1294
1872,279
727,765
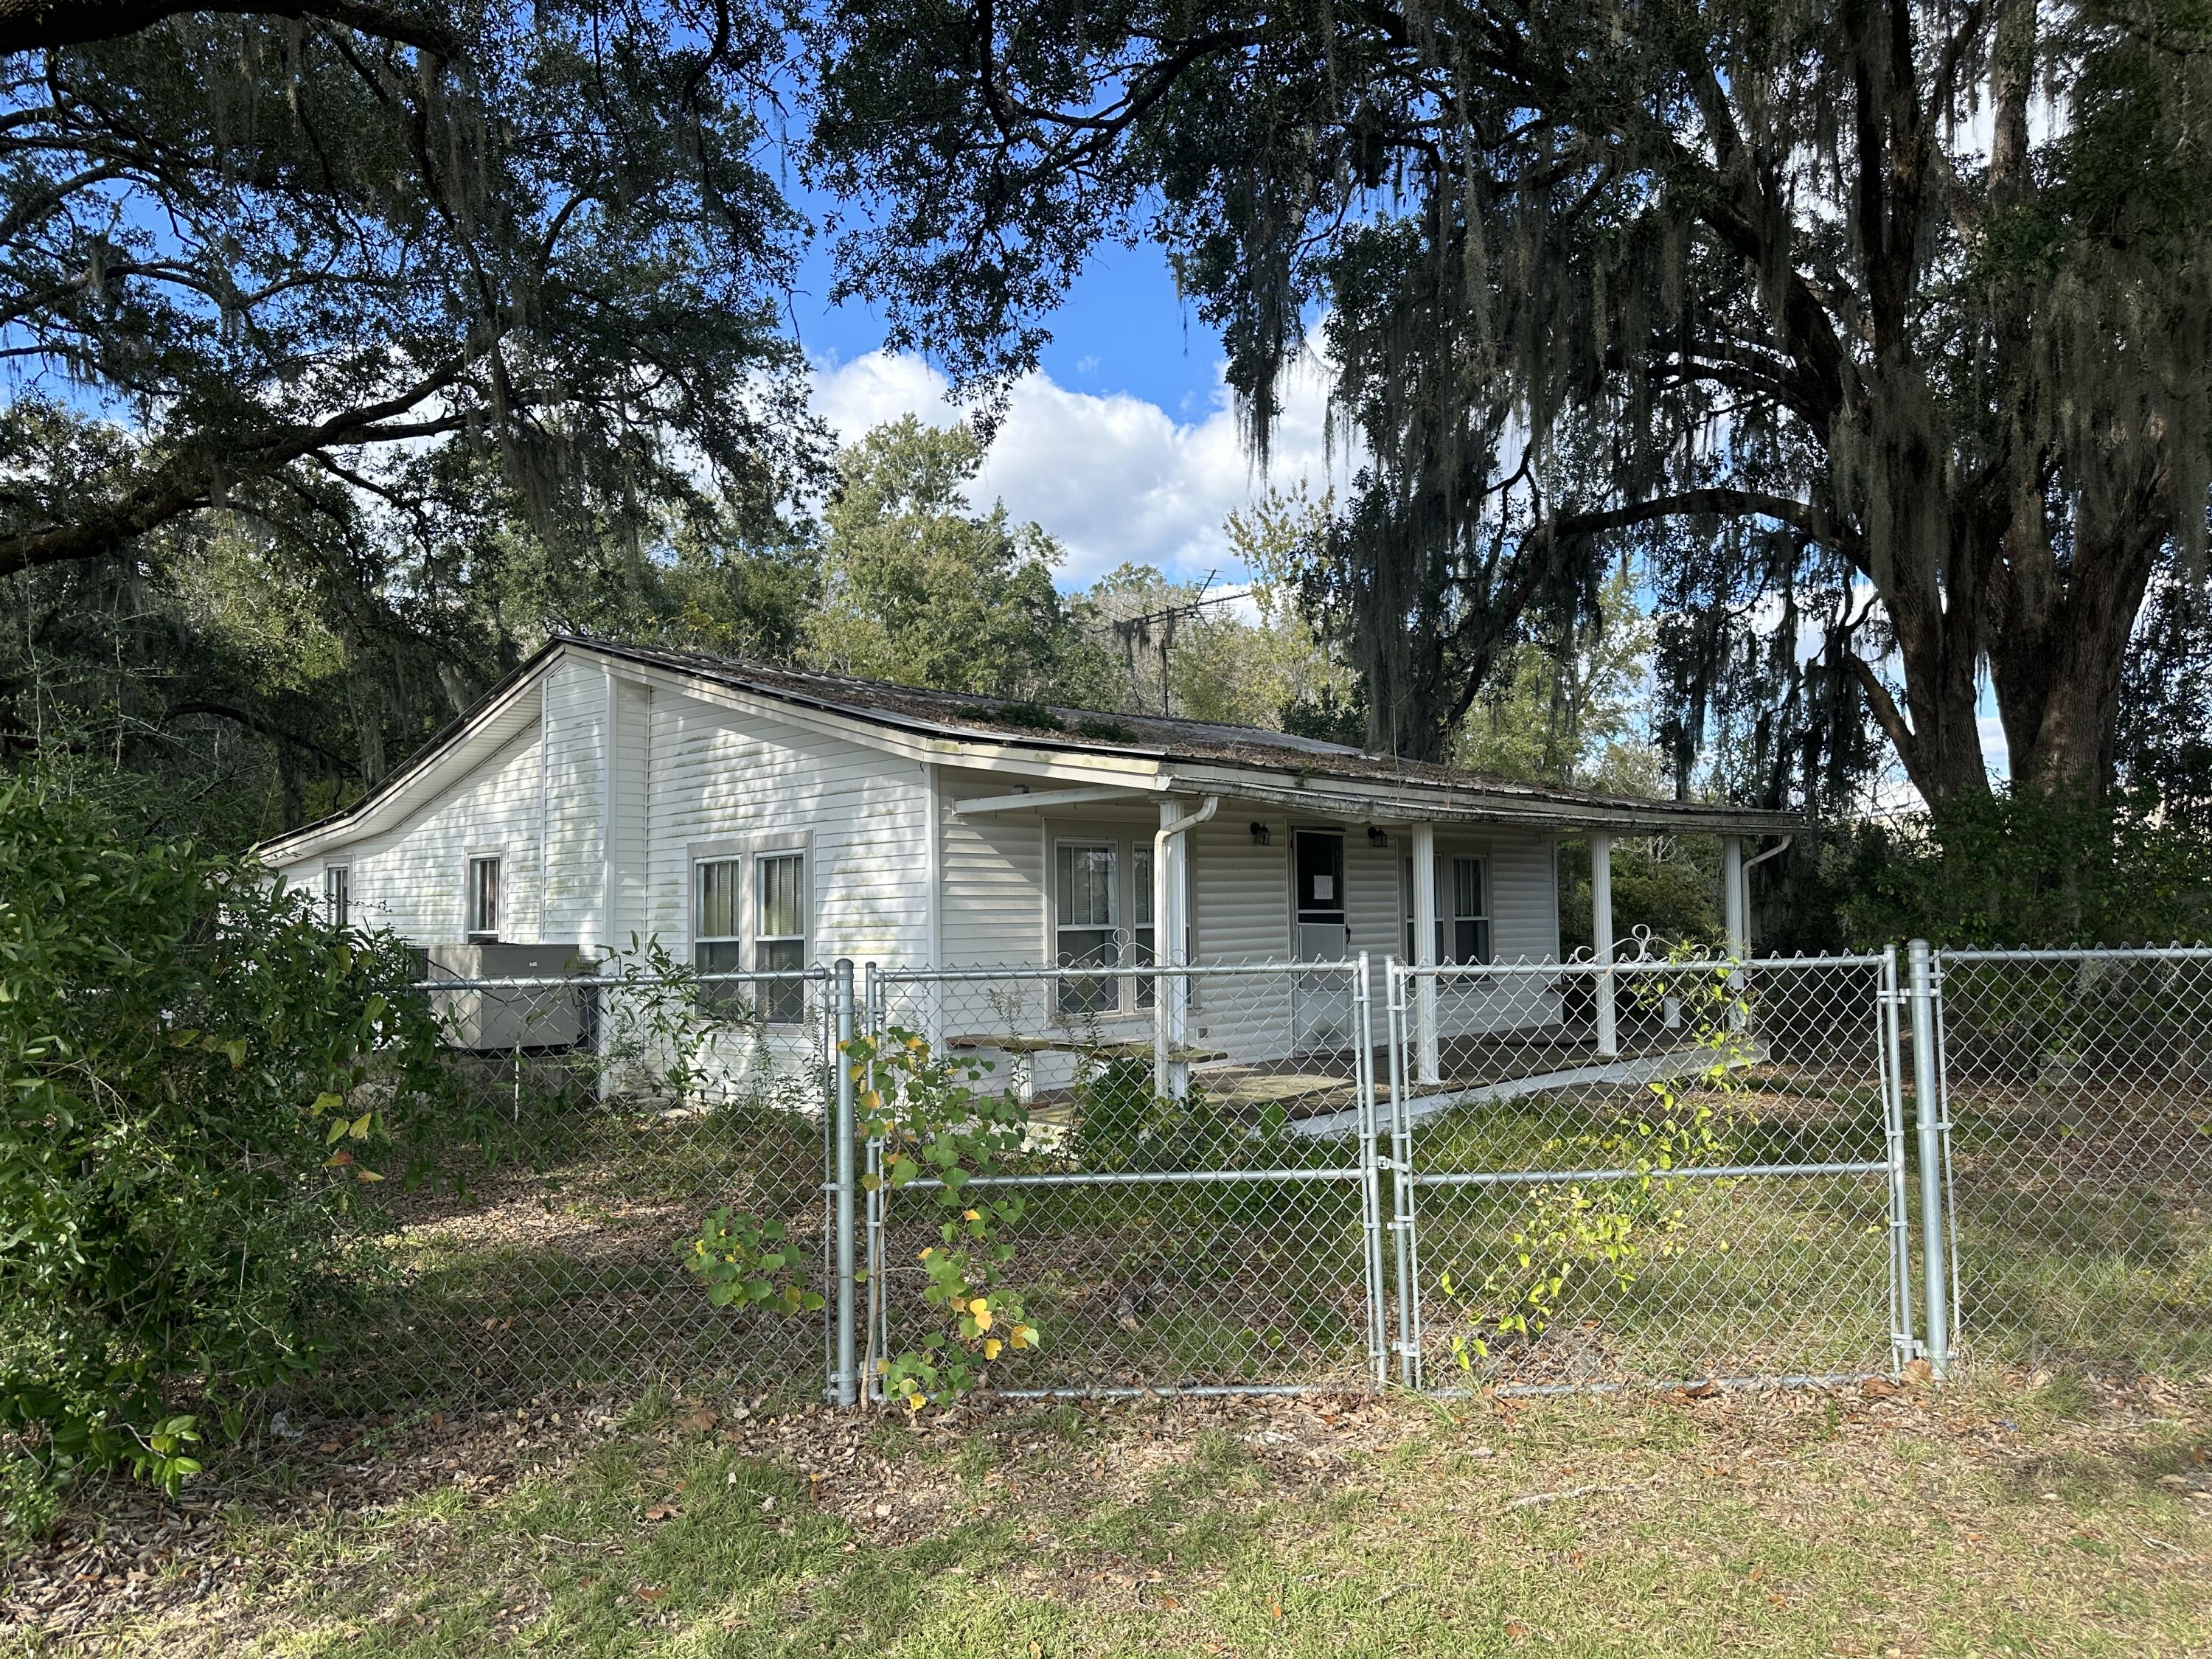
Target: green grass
x,y
2044,1521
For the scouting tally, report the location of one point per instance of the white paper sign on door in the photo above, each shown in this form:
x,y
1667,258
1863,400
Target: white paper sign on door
x,y
1324,889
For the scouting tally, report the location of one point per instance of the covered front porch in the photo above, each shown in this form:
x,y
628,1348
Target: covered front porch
x,y
1428,870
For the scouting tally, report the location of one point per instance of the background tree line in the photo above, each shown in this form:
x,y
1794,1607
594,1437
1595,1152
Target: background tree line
x,y
1746,402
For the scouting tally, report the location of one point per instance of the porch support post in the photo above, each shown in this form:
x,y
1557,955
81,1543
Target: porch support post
x,y
1733,907
1601,856
1425,1066
1170,945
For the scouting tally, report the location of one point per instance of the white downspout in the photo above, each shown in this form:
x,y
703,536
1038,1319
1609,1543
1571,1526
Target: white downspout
x,y
1171,993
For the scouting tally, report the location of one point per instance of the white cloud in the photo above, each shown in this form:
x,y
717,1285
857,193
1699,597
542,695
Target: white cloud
x,y
1113,478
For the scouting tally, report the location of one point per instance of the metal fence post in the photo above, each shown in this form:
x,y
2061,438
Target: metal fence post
x,y
1363,1086
1900,1202
1922,989
1401,1166
848,1377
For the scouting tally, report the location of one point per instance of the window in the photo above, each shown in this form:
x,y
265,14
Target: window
x,y
1144,936
717,946
483,899
780,933
336,909
1470,914
1462,911
775,944
1084,924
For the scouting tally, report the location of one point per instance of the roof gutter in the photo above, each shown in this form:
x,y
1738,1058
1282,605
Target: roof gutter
x,y
1404,803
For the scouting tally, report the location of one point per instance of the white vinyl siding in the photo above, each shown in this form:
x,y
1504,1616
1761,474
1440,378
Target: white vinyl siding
x,y
574,809
411,877
628,815
858,816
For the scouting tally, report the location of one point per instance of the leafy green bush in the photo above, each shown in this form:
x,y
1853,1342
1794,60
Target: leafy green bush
x,y
189,1062
2016,869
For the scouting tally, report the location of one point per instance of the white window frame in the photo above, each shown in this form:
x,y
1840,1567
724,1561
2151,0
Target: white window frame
x,y
1129,843
782,1003
1448,918
748,852
700,939
340,913
1070,996
1143,993
478,857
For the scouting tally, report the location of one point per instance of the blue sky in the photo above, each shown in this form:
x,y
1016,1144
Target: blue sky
x,y
1123,446
1123,329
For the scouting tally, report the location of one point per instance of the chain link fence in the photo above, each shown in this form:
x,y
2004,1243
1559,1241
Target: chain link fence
x,y
531,1246
2078,1085
1295,1175
1651,1171
1198,1196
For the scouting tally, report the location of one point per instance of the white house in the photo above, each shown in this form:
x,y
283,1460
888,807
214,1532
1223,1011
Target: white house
x,y
761,818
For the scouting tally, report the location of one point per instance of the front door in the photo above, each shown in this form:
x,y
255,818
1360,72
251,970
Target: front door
x,y
1321,1005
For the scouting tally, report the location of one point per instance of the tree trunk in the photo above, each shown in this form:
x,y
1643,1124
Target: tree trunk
x,y
2057,665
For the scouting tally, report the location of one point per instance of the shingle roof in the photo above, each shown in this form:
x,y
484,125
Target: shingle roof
x,y
1276,766
1160,737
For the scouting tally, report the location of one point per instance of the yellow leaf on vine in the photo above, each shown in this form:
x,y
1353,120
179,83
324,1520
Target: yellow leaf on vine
x,y
991,1346
970,1215
983,1313
917,1400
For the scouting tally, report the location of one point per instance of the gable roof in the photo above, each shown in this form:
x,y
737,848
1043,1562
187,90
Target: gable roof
x,y
1163,753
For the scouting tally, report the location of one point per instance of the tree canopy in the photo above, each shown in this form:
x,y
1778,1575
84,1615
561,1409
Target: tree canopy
x,y
917,590
1883,325
310,264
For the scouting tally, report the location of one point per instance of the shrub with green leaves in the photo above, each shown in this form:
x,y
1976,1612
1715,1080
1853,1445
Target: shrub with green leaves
x,y
190,1061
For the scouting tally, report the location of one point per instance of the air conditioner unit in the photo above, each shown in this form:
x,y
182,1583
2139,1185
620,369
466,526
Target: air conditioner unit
x,y
483,1015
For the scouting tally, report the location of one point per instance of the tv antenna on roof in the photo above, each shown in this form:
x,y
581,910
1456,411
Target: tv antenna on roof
x,y
1158,628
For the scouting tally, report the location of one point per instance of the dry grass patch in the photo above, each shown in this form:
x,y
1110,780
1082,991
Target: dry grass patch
x,y
2054,1515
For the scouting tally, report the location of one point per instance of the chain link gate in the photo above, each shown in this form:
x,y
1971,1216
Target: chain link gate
x,y
1277,1176
1201,1205
1648,1172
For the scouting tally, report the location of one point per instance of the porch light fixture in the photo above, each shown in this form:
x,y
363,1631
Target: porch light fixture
x,y
1377,836
1259,835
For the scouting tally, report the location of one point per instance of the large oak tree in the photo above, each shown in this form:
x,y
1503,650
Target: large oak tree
x,y
1883,323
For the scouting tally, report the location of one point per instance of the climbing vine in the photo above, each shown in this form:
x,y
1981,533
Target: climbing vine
x,y
937,1134
1577,1235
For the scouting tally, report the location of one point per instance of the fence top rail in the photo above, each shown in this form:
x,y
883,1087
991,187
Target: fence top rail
x,y
600,982
2081,953
1350,967
1651,965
